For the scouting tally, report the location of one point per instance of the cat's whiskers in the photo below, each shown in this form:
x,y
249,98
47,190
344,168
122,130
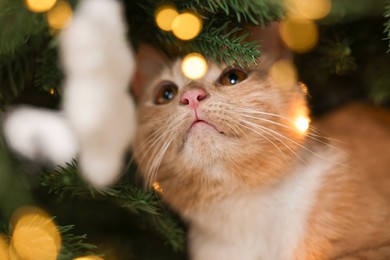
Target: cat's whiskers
x,y
266,130
266,138
310,135
155,165
158,143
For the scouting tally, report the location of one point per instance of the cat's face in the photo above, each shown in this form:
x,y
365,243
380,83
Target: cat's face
x,y
231,120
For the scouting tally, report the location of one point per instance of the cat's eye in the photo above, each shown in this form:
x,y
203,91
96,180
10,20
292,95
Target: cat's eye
x,y
232,77
166,91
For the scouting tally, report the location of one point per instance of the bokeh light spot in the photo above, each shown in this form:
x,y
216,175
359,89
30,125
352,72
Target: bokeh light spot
x,y
164,17
310,9
186,26
300,35
89,257
40,6
283,73
194,66
3,248
60,15
34,235
157,187
302,123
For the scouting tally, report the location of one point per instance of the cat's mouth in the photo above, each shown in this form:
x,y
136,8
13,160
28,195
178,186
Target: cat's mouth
x,y
201,124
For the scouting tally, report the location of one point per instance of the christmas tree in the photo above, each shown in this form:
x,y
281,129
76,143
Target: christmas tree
x,y
340,55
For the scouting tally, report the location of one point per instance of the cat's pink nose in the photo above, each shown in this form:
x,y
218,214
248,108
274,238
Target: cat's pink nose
x,y
192,97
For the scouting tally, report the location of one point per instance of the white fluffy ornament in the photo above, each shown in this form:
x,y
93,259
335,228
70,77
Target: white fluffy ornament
x,y
99,64
98,119
40,135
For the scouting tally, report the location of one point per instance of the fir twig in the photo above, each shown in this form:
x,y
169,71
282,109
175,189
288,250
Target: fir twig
x,y
65,181
48,74
259,12
73,245
231,48
387,23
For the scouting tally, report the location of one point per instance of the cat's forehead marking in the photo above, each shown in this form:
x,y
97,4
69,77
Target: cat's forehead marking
x,y
175,73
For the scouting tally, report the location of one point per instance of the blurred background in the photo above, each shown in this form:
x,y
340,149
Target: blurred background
x,y
340,52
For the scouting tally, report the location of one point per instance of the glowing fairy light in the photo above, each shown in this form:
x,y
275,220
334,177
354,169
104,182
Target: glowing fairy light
x,y
157,187
89,257
302,123
3,248
59,16
40,6
194,66
304,88
186,26
283,73
34,234
52,91
309,9
164,17
300,35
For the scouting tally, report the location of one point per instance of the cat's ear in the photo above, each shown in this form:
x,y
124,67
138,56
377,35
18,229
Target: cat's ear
x,y
271,45
149,62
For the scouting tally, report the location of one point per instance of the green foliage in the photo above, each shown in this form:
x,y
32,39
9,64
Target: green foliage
x,y
222,38
48,74
17,25
242,11
231,47
73,246
65,182
387,23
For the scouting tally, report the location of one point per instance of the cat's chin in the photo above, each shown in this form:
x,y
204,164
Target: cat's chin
x,y
201,129
203,143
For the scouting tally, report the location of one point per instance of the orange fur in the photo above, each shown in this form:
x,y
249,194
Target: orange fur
x,y
255,152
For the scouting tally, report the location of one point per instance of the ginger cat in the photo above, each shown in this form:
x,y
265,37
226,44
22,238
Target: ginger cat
x,y
227,156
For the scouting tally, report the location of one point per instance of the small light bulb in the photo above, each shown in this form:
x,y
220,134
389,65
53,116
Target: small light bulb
x,y
59,16
284,73
157,187
300,35
194,66
302,123
34,234
89,257
164,17
186,26
40,6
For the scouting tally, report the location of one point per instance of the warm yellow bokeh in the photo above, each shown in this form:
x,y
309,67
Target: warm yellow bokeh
x,y
164,17
300,35
34,235
309,9
157,187
40,6
186,26
4,248
283,73
302,123
89,257
60,15
194,66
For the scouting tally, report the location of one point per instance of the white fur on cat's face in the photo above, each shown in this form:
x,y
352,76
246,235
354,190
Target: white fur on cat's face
x,y
247,123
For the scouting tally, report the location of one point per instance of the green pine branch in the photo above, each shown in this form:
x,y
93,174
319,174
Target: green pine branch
x,y
17,25
73,246
48,74
226,45
260,12
65,182
387,23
